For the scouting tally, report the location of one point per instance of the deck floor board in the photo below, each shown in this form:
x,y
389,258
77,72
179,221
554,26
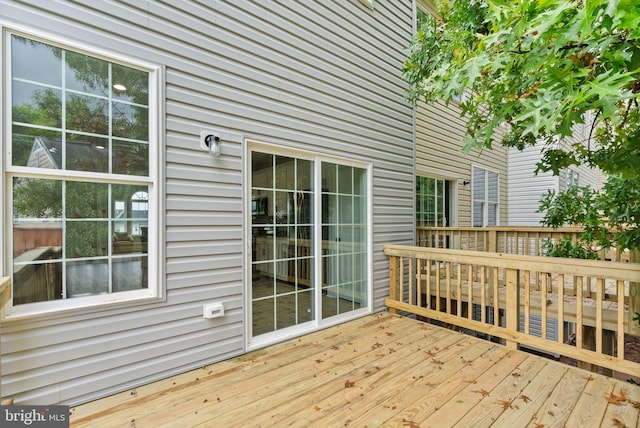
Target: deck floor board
x,y
379,370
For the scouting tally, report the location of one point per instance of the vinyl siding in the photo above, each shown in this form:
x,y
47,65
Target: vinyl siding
x,y
527,188
439,133
320,76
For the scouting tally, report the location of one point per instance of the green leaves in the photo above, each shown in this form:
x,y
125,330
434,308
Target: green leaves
x,y
543,67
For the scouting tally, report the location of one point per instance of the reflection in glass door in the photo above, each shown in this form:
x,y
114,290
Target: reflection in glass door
x,y
291,223
282,242
344,239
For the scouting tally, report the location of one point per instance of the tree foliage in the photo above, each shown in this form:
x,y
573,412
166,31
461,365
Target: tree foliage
x,y
537,69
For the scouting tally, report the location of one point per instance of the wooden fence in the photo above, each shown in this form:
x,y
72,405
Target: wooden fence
x,y
496,294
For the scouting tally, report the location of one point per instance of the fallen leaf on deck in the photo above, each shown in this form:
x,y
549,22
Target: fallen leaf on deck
x,y
514,374
622,397
618,423
505,404
349,384
411,424
335,347
590,378
483,392
390,334
525,398
318,361
376,345
430,353
614,399
437,361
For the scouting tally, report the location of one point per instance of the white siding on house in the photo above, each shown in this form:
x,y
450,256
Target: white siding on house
x,y
526,188
321,76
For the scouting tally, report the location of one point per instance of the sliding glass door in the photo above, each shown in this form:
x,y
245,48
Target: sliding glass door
x,y
309,242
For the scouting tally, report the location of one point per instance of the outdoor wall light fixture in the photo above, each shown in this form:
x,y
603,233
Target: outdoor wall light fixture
x,y
211,143
465,182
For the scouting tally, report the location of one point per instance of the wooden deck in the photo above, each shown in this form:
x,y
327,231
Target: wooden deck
x,y
380,370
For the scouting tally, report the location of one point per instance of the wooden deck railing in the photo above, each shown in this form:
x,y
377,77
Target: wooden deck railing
x,y
524,240
502,295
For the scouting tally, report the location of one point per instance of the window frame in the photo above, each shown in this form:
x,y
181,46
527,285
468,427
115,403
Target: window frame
x,y
485,201
447,198
153,181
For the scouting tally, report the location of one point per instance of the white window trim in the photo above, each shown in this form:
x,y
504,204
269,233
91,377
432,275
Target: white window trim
x,y
318,323
485,211
155,180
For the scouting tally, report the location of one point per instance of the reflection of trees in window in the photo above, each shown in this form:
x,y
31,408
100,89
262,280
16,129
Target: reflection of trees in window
x,y
74,112
37,198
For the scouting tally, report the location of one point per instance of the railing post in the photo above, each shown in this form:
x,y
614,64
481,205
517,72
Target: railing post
x,y
393,281
634,298
512,305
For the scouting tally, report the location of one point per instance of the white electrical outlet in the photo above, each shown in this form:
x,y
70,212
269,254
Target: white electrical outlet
x,y
213,310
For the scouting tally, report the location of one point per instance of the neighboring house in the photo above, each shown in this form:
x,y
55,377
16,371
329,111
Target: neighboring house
x,y
188,258
455,188
526,188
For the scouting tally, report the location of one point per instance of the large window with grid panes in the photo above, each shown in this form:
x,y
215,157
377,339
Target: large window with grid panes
x,y
80,170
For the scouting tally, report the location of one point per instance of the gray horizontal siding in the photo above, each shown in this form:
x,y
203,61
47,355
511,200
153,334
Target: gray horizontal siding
x,y
440,130
321,76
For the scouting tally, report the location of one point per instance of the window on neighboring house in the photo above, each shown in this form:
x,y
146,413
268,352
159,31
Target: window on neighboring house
x,y
486,198
432,202
79,170
573,178
421,16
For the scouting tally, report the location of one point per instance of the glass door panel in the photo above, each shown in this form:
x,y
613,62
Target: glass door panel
x,y
344,242
282,242
287,217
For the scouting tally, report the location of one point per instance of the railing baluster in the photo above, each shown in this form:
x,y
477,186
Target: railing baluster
x,y
470,291
483,301
599,300
401,276
459,291
419,282
578,288
447,270
411,276
437,285
496,296
543,307
527,301
428,297
620,291
560,308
